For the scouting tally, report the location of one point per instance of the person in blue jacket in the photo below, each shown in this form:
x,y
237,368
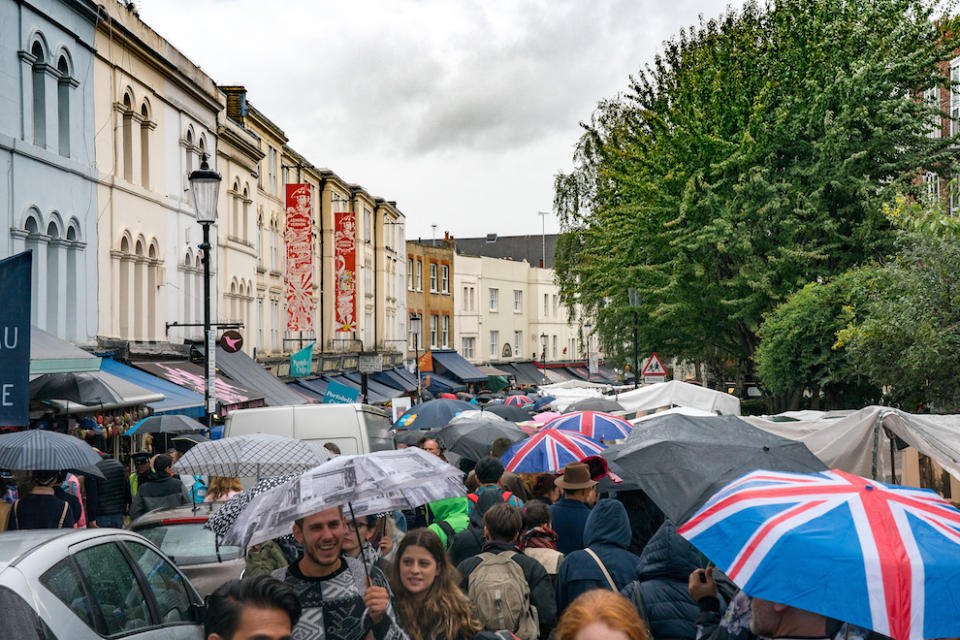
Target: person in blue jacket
x,y
606,538
570,513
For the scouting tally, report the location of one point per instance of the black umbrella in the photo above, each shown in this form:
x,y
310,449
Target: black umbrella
x,y
513,414
82,388
472,438
680,461
412,436
432,414
595,404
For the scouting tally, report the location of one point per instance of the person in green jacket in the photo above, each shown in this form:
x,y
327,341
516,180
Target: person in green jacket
x,y
448,517
263,558
141,464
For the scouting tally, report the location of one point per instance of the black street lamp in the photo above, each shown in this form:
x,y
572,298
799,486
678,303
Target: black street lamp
x,y
543,354
205,185
415,320
635,300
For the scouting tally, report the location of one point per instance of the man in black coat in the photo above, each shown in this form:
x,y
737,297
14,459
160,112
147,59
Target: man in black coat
x,y
502,527
159,489
112,497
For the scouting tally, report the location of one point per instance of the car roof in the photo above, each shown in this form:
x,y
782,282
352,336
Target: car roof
x,y
199,510
14,545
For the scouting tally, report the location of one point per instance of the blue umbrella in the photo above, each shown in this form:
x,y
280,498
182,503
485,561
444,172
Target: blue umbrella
x,y
34,450
539,403
165,423
880,556
432,414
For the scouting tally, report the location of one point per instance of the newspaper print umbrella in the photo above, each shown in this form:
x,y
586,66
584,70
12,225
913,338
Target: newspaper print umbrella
x,y
251,455
366,484
549,450
880,556
593,424
223,519
35,449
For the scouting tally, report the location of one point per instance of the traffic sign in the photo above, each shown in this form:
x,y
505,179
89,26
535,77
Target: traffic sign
x,y
654,367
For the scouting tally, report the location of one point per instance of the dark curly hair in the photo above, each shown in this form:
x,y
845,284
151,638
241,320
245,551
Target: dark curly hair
x,y
225,605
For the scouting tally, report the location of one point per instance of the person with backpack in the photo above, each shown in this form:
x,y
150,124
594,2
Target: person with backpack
x,y
604,563
428,600
489,471
508,590
539,541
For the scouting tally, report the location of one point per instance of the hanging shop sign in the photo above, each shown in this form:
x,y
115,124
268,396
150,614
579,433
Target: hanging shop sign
x,y
299,268
345,270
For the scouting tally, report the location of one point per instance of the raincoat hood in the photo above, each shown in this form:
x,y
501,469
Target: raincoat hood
x,y
607,524
668,555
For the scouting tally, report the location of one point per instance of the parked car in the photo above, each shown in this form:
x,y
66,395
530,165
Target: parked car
x,y
86,584
355,428
179,534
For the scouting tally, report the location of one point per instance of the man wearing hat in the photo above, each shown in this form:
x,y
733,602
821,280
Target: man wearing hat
x,y
570,512
141,464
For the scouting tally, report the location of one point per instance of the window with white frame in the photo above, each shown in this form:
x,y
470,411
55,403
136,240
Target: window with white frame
x,y
368,279
473,299
554,347
546,304
368,329
419,274
517,342
467,347
931,183
434,325
259,324
410,274
445,332
445,278
954,196
517,301
274,256
494,344
494,299
433,277
367,225
466,302
554,306
272,171
932,97
954,96
275,325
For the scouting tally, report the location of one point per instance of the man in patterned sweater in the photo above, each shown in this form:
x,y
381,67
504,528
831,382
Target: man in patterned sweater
x,y
339,601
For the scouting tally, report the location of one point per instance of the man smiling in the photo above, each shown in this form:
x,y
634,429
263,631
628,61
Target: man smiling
x,y
339,600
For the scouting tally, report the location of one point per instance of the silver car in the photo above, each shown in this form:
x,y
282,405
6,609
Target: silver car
x,y
179,533
87,584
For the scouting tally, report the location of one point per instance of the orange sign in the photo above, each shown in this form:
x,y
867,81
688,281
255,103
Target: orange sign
x,y
426,362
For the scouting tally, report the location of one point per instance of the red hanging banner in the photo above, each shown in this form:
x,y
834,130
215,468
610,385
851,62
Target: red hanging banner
x,y
299,271
345,270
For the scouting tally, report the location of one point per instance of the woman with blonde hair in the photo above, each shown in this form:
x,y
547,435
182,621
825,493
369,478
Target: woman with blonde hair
x,y
601,614
222,488
426,588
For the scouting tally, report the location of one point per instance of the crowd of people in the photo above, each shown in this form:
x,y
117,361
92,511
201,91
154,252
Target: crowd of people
x,y
528,557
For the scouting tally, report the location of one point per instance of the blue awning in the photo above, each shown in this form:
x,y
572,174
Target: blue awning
x,y
436,383
178,400
305,391
373,386
317,386
453,365
392,378
372,396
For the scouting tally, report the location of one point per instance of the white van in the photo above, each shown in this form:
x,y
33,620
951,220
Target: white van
x,y
355,428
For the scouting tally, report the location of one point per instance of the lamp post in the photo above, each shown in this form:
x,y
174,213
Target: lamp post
x,y
205,185
635,300
415,319
543,353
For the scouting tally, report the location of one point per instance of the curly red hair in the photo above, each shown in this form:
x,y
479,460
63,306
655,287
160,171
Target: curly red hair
x,y
603,606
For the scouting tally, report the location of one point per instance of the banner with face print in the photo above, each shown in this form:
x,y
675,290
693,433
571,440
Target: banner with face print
x,y
299,272
345,270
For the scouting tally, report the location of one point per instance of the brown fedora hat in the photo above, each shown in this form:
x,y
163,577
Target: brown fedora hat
x,y
576,475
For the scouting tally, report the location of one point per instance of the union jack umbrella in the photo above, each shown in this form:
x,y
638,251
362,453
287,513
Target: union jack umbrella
x,y
517,401
593,424
880,556
549,450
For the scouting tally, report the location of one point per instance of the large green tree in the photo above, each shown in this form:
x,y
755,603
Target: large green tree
x,y
749,158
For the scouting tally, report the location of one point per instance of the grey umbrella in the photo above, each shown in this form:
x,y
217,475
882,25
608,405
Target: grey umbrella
x,y
472,438
595,404
681,461
35,449
165,423
82,388
251,455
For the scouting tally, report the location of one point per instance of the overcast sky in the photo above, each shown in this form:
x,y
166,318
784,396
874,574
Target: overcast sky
x,y
460,110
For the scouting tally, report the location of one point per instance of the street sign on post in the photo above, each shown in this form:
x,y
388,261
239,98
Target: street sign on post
x,y
371,364
653,370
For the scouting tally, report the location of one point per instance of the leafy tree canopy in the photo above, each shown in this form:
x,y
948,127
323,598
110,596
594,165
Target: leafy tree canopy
x,y
751,157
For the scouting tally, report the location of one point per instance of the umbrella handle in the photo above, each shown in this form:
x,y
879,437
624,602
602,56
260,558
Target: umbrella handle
x,y
366,569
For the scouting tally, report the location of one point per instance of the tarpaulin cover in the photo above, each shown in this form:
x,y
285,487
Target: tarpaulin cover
x,y
438,384
858,443
251,374
452,364
682,394
177,399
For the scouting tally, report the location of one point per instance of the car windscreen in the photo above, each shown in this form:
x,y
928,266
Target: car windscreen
x,y
378,431
189,543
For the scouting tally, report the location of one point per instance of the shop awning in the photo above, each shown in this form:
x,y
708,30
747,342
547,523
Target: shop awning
x,y
580,373
493,371
436,383
393,378
229,394
373,385
251,374
305,391
453,365
608,374
559,374
177,400
525,373
131,395
372,396
50,354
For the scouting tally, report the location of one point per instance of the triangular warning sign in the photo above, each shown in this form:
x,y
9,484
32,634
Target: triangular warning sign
x,y
653,367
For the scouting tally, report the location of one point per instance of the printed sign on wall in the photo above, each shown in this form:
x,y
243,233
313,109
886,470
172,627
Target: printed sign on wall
x,y
299,241
345,270
15,340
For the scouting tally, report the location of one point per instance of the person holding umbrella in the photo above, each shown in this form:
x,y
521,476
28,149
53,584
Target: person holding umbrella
x,y
340,599
41,508
571,511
